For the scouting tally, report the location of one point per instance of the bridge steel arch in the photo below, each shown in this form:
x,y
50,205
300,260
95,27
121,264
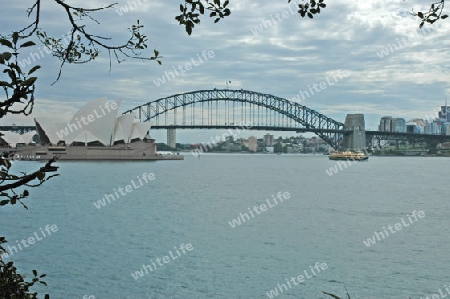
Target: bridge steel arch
x,y
325,127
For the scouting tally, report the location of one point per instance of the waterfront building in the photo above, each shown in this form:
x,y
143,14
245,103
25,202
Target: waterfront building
x,y
252,144
444,114
268,140
96,123
446,128
432,128
416,126
385,124
12,139
398,125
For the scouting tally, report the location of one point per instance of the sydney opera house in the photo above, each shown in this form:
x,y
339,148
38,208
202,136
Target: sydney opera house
x,y
98,131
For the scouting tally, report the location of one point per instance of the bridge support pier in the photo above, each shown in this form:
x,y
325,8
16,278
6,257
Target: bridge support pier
x,y
172,138
357,139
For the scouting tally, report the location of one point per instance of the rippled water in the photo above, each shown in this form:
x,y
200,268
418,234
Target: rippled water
x,y
326,219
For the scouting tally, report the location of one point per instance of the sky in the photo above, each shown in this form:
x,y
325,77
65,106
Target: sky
x,y
393,68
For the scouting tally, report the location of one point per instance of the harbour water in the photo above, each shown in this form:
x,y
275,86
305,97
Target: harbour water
x,y
319,232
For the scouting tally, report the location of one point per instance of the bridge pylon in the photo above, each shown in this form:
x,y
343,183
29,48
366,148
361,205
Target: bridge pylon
x,y
356,140
172,138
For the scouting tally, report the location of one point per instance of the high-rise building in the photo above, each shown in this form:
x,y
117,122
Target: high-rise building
x,y
385,124
398,125
432,128
446,129
252,144
444,114
268,140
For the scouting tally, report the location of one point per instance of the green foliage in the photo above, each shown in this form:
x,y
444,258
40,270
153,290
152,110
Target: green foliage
x,y
191,11
14,285
278,148
20,85
432,147
311,8
434,13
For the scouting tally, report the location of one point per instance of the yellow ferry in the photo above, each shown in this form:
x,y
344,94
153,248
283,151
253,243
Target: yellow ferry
x,y
348,155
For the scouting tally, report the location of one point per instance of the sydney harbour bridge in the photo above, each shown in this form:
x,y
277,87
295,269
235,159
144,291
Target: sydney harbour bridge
x,y
226,109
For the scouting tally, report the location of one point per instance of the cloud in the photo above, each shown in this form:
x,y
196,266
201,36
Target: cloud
x,y
282,59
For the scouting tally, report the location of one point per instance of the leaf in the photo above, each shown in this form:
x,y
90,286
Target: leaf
x,y
34,272
34,69
4,202
420,14
444,17
6,43
6,55
40,175
27,44
189,26
28,82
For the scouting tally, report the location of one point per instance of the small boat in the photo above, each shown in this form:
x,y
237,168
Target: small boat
x,y
348,155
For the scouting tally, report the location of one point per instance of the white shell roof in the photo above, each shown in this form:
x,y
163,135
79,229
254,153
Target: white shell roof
x,y
98,120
